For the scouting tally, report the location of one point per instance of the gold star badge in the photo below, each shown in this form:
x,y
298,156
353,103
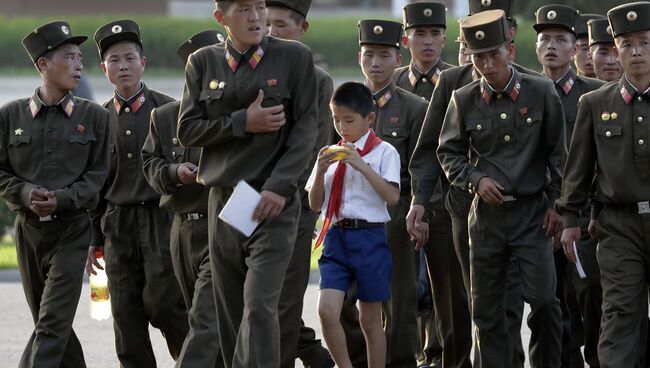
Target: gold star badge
x,y
214,84
18,131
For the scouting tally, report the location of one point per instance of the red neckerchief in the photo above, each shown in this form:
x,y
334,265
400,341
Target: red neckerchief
x,y
336,194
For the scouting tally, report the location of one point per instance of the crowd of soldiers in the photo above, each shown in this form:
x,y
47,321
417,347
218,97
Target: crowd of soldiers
x,y
508,176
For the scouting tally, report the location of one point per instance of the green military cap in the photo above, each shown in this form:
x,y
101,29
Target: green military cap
x,y
117,31
48,37
632,17
485,31
581,23
425,14
199,40
477,6
599,31
556,16
299,6
380,32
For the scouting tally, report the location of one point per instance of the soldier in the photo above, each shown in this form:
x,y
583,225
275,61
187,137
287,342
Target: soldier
x,y
53,162
399,120
426,171
611,122
502,135
250,103
582,59
603,51
463,58
556,45
129,223
288,20
424,27
170,169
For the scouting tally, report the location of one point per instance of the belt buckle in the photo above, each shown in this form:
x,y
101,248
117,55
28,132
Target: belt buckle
x,y
193,216
508,198
45,218
643,207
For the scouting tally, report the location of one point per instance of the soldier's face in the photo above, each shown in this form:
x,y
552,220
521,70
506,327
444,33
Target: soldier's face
x,y
583,59
555,47
463,58
633,51
63,68
349,124
494,66
123,65
426,43
378,62
245,21
283,23
606,63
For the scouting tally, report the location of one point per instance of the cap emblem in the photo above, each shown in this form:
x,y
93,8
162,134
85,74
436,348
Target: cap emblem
x,y
116,28
378,30
220,37
428,12
479,35
486,3
551,15
65,30
608,30
632,16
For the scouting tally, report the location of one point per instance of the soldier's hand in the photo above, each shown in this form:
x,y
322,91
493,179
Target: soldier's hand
x,y
264,119
92,261
490,191
591,229
270,206
552,223
418,230
570,235
186,173
37,194
46,207
557,242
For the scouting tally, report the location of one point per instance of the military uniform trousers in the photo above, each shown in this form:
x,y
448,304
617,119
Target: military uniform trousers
x,y
449,294
51,258
293,293
623,255
190,257
458,203
141,283
248,274
497,233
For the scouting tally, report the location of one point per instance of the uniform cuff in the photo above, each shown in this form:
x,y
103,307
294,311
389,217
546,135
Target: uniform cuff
x,y
24,193
172,171
474,178
278,188
238,122
62,199
570,220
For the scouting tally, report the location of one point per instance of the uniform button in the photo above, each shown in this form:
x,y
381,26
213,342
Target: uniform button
x,y
506,138
128,132
49,151
639,119
394,134
639,98
50,130
127,109
608,134
175,141
479,127
129,155
499,96
424,79
641,142
504,116
529,120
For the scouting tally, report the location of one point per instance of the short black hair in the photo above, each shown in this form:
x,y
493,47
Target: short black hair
x,y
355,96
223,5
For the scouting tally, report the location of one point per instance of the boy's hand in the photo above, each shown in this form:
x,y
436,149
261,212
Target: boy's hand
x,y
353,157
324,160
264,119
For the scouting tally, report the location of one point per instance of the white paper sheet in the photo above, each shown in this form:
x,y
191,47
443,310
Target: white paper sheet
x,y
581,271
238,211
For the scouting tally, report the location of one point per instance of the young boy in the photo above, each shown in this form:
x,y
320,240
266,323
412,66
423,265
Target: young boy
x,y
129,221
353,194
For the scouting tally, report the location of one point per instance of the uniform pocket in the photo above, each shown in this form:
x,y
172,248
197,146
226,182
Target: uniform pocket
x,y
528,120
17,140
82,139
609,131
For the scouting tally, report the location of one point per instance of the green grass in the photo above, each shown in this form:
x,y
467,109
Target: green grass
x,y
8,253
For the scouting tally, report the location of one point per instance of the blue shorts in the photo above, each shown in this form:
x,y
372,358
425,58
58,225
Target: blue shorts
x,y
357,254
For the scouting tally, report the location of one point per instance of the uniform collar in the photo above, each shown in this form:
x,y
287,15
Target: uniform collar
x,y
567,81
385,94
415,75
253,55
513,88
134,103
361,142
36,104
628,91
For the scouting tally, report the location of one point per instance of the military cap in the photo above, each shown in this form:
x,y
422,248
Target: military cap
x,y
48,37
477,6
556,16
581,23
380,32
201,39
599,31
117,31
299,6
461,38
425,14
632,17
485,31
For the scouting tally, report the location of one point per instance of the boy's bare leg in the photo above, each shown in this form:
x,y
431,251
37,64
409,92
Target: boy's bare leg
x,y
330,302
373,330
